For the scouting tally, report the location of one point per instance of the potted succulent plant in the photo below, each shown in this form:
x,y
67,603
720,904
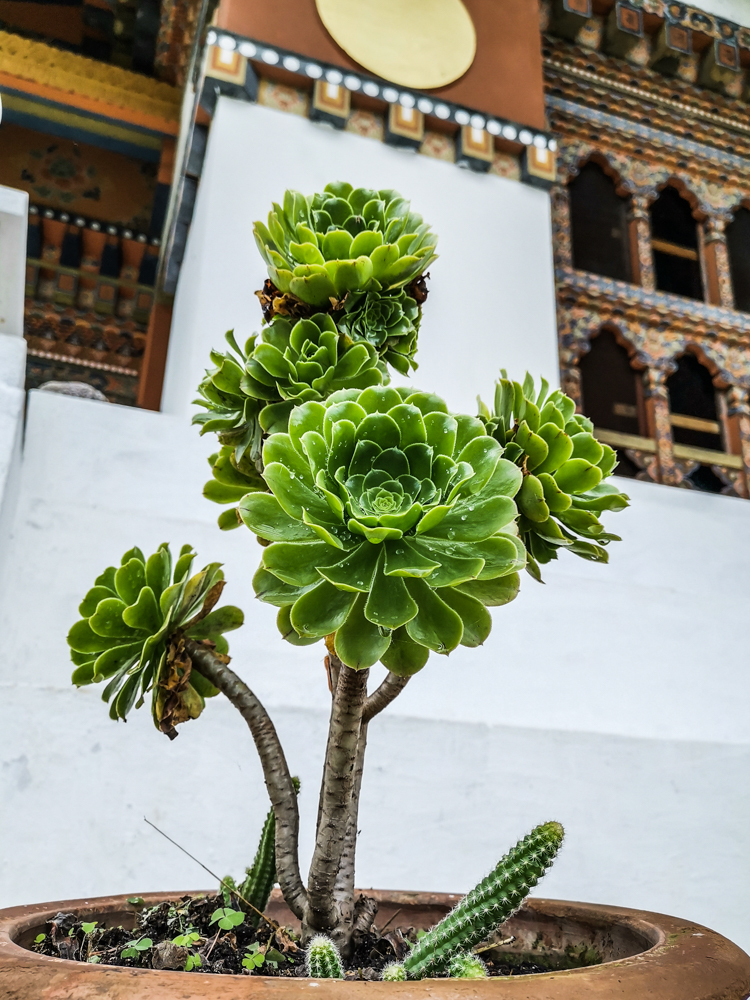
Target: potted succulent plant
x,y
388,525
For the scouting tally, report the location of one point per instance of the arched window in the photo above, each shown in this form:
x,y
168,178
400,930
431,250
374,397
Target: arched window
x,y
692,395
609,388
674,239
598,221
738,245
692,404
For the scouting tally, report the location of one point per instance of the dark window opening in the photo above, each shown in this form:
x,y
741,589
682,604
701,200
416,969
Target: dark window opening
x,y
609,386
738,245
674,239
692,401
706,480
598,220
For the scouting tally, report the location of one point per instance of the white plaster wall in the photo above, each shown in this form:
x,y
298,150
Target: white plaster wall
x,y
494,235
733,10
614,698
14,207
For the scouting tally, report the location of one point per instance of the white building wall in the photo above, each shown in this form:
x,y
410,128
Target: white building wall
x,y
614,698
495,247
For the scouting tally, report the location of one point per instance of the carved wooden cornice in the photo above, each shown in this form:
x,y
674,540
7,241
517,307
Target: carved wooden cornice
x,y
631,88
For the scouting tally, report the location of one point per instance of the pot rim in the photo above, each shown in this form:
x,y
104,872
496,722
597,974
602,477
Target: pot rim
x,y
678,948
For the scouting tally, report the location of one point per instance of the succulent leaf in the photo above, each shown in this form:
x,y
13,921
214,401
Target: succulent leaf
x,y
133,629
382,505
563,468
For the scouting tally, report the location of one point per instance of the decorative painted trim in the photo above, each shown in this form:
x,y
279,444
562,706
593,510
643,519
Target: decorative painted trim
x,y
99,85
83,362
623,125
85,222
661,302
357,82
651,96
60,119
643,178
657,326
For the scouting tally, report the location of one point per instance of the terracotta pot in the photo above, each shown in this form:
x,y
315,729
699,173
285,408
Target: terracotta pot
x,y
646,955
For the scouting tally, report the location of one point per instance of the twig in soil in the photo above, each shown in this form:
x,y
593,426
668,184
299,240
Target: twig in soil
x,y
496,944
221,881
390,920
208,953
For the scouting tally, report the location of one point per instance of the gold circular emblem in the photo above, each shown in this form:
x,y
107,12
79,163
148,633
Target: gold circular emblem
x,y
416,43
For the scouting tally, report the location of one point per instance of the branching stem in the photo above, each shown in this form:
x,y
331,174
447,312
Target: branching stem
x,y
391,686
275,770
336,793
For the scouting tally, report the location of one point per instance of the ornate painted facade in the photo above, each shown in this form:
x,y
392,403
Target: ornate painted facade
x,y
647,130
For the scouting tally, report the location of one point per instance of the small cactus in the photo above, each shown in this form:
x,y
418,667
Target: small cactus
x,y
323,959
260,878
467,966
491,902
393,973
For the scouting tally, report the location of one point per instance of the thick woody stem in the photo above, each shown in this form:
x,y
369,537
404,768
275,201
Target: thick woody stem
x,y
389,689
275,770
338,782
344,888
382,696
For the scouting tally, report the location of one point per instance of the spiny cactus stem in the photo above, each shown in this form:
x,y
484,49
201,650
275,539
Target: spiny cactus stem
x,y
490,903
335,797
275,770
260,876
323,960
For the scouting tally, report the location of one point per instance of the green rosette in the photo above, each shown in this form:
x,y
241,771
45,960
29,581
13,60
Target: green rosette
x,y
564,468
343,240
389,321
134,622
392,527
251,392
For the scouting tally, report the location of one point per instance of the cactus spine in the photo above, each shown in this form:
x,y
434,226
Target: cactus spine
x,y
491,902
393,973
467,966
323,959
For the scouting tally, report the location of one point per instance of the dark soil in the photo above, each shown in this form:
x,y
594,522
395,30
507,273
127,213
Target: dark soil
x,y
186,935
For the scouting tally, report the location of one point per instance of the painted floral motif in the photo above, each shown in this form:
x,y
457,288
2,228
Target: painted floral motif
x,y
366,124
439,146
506,165
283,98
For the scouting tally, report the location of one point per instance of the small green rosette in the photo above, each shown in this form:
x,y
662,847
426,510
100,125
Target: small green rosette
x,y
564,468
343,240
134,622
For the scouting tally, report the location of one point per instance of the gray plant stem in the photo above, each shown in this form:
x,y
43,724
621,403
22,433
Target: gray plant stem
x,y
275,770
383,695
390,687
349,696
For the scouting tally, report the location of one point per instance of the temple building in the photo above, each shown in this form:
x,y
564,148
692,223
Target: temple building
x,y
586,165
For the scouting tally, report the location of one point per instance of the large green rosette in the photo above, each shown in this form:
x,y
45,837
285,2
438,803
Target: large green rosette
x,y
391,524
564,468
134,622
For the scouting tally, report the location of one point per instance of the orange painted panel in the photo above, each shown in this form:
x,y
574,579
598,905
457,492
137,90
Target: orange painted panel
x,y
77,178
505,78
